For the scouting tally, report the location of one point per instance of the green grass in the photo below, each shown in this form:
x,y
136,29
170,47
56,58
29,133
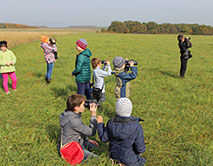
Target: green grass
x,y
177,113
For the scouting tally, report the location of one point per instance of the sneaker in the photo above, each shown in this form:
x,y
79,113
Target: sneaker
x,y
7,92
14,89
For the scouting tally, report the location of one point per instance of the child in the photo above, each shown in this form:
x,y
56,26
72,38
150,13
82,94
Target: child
x,y
98,77
123,78
82,70
73,127
49,55
184,44
7,66
124,134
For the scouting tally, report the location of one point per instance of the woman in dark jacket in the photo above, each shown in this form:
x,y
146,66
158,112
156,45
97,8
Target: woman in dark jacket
x,y
124,134
184,44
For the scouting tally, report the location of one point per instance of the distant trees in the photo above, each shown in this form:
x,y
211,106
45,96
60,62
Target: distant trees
x,y
154,28
15,26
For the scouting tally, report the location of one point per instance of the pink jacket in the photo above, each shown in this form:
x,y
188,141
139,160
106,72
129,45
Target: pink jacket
x,y
48,52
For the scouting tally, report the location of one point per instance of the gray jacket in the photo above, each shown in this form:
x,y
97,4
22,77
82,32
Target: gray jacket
x,y
74,129
98,76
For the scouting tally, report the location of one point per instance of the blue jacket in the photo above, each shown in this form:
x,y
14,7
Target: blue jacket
x,y
123,79
126,140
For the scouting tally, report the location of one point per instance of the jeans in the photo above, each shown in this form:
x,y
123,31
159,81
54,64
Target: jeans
x,y
5,80
49,70
84,89
87,153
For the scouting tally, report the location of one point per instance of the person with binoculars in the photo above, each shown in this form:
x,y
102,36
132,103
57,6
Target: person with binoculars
x,y
123,78
98,78
184,45
73,127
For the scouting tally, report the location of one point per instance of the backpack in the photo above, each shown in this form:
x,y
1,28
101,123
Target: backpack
x,y
72,152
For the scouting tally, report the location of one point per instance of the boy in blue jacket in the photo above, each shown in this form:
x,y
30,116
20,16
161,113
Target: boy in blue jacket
x,y
123,78
82,70
124,134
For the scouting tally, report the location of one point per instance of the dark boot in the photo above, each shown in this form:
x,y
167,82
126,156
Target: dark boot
x,y
48,80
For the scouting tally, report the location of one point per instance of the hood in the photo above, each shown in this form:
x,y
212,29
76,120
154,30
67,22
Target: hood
x,y
118,70
86,52
123,130
65,117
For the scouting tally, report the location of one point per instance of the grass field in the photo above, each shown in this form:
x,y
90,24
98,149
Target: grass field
x,y
177,113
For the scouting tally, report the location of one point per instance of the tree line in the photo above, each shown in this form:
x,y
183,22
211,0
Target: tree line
x,y
16,26
154,28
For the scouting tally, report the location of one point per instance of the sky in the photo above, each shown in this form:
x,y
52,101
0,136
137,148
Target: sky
x,y
63,13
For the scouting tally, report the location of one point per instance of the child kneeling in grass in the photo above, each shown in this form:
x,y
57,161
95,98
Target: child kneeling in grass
x,y
124,134
73,129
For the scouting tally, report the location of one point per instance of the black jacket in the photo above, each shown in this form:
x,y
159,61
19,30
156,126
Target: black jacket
x,y
184,45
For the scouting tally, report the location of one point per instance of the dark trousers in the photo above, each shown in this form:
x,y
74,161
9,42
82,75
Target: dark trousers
x,y
84,89
183,66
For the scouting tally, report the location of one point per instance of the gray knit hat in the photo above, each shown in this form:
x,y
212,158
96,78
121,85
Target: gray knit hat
x,y
123,107
118,61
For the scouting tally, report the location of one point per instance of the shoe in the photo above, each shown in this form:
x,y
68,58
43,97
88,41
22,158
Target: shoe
x,y
14,89
48,80
7,93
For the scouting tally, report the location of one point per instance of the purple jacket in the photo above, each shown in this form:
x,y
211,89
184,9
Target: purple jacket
x,y
48,52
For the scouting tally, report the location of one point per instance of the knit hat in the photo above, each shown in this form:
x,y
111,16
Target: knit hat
x,y
44,39
118,61
123,107
82,43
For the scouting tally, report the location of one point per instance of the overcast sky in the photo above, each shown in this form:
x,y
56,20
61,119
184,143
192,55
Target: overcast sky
x,y
63,13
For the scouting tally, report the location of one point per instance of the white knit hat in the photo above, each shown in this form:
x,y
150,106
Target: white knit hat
x,y
123,107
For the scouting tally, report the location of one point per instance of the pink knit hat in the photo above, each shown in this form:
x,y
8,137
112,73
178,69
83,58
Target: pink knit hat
x,y
82,43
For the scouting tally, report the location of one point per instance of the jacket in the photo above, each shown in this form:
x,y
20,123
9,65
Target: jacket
x,y
49,52
5,57
123,79
126,140
98,76
74,129
82,70
184,51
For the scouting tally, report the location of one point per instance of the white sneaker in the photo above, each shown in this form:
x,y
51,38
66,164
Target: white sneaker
x,y
7,92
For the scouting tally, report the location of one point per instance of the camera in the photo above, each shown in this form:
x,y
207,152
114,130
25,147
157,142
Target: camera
x,y
104,62
187,38
52,41
88,102
127,64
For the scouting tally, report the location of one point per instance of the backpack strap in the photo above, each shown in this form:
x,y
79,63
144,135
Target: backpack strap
x,y
61,137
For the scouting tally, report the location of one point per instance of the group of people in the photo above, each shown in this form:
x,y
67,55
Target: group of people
x,y
123,132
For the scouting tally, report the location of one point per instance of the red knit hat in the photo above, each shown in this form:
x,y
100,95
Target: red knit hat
x,y
82,43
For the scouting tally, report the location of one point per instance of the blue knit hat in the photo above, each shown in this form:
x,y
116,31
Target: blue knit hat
x,y
82,43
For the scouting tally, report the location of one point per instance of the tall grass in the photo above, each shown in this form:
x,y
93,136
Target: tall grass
x,y
16,37
177,113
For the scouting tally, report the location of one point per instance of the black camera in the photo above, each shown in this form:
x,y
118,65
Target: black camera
x,y
104,62
88,102
52,41
127,64
187,38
